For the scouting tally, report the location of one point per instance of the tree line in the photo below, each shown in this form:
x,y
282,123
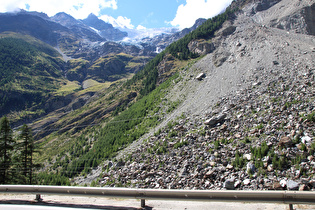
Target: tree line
x,y
16,154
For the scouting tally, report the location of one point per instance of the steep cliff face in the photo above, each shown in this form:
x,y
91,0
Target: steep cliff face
x,y
309,16
302,21
298,18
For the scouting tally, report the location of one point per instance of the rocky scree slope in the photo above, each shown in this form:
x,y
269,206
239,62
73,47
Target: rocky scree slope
x,y
248,124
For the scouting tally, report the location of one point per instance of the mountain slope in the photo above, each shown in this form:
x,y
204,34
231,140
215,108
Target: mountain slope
x,y
116,116
29,73
229,105
33,25
248,124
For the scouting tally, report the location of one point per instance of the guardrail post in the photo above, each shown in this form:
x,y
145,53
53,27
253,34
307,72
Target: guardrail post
x,y
291,206
142,203
38,198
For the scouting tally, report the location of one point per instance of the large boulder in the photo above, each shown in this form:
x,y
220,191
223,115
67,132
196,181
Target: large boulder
x,y
215,120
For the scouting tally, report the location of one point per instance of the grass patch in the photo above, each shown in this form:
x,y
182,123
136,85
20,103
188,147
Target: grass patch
x,y
67,88
310,117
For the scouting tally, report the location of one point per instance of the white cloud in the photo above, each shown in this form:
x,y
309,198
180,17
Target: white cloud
x,y
193,9
77,8
140,27
10,6
120,22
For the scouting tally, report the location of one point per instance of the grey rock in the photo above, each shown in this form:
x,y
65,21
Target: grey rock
x,y
292,185
250,168
229,184
201,76
220,57
264,5
201,47
304,187
246,182
109,165
120,164
228,30
275,62
237,184
216,119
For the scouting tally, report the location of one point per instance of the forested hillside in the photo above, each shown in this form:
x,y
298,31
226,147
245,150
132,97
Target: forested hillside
x,y
29,74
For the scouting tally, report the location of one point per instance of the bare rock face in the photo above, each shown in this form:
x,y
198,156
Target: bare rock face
x,y
309,16
165,66
228,30
302,21
57,102
264,5
297,17
201,47
79,102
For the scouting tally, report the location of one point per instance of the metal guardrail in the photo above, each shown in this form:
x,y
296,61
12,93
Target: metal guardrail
x,y
286,197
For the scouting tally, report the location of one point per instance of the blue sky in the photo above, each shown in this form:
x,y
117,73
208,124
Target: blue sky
x,y
132,14
147,13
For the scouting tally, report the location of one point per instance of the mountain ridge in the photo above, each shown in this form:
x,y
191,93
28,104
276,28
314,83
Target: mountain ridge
x,y
104,29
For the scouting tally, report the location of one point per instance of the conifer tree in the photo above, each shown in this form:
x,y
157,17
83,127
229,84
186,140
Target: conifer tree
x,y
6,148
26,156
